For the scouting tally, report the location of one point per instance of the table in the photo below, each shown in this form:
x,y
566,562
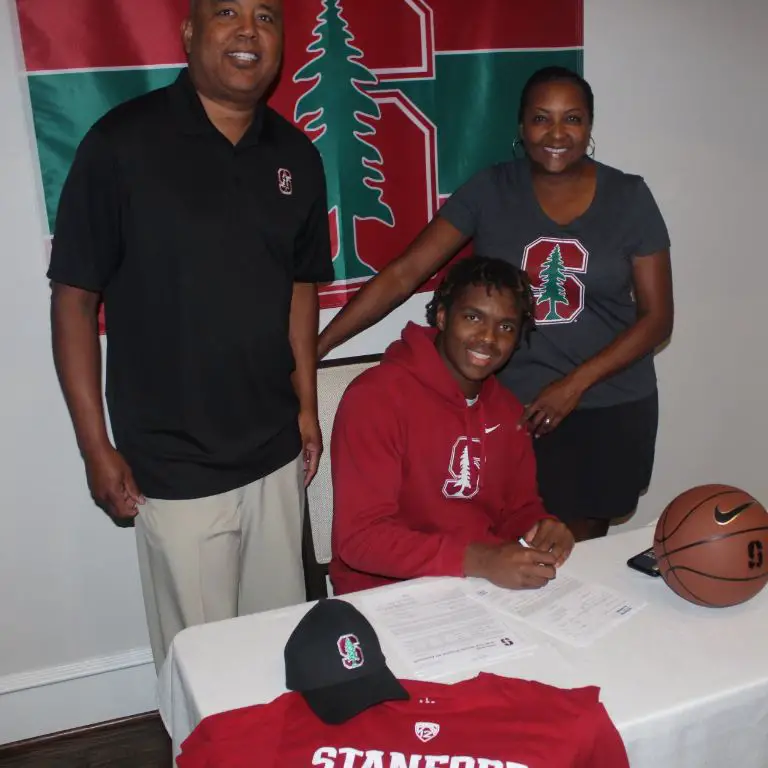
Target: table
x,y
686,686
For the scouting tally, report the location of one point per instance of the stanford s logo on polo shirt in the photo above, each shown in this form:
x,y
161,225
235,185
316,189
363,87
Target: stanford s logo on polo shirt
x,y
552,265
350,651
285,181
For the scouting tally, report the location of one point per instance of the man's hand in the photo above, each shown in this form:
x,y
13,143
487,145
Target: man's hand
x,y
302,332
311,444
510,565
112,485
551,536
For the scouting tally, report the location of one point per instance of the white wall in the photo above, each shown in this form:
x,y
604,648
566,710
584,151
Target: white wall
x,y
69,588
680,98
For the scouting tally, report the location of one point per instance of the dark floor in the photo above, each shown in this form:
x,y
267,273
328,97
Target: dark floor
x,y
137,742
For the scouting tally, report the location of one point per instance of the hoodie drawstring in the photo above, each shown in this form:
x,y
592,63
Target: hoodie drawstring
x,y
481,419
482,443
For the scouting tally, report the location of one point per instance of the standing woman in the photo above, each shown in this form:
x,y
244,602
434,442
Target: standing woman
x,y
596,250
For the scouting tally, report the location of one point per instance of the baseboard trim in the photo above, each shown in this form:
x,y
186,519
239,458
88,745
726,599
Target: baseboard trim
x,y
70,696
26,746
24,681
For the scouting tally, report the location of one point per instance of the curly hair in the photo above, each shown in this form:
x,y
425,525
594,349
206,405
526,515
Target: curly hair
x,y
488,273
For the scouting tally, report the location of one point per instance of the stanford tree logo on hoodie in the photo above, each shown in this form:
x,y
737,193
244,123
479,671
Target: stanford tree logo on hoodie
x,y
464,469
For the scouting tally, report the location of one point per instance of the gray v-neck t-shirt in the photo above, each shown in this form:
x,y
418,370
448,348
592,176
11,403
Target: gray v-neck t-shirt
x,y
581,272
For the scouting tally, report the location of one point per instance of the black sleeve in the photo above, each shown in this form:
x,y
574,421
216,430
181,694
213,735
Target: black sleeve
x,y
86,240
312,261
464,206
649,232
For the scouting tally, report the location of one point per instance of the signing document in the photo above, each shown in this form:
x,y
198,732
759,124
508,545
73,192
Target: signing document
x,y
437,628
568,609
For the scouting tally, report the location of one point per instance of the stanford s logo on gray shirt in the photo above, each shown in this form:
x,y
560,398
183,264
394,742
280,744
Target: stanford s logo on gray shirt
x,y
552,265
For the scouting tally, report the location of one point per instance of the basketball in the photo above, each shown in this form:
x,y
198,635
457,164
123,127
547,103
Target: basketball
x,y
711,544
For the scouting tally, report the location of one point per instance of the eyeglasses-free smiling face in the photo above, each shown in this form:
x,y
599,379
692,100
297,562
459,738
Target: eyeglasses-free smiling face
x,y
556,126
234,47
478,334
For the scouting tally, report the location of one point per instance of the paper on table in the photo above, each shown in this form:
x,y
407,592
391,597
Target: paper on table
x,y
568,609
438,629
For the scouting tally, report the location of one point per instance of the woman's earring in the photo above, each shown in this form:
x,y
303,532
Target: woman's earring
x,y
591,147
516,144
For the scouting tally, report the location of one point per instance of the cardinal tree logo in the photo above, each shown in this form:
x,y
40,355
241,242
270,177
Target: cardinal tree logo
x,y
361,95
345,115
552,266
464,469
350,651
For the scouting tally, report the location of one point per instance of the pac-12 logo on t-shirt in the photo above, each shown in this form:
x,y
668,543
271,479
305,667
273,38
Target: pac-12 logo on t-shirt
x,y
552,265
426,731
350,651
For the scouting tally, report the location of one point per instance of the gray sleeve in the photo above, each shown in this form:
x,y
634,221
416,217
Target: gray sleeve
x,y
649,232
464,206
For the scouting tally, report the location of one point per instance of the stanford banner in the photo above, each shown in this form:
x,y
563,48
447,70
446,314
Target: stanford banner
x,y
405,99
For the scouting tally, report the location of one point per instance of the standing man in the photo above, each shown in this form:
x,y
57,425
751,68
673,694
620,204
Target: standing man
x,y
199,216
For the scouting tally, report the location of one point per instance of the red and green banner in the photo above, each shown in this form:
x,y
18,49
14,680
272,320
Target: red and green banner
x,y
405,99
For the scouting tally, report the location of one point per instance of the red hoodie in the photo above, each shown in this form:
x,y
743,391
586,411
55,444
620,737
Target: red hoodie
x,y
418,474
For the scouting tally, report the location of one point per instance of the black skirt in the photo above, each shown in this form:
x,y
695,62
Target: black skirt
x,y
598,461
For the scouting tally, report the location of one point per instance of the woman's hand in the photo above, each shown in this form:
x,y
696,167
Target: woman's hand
x,y
552,536
552,405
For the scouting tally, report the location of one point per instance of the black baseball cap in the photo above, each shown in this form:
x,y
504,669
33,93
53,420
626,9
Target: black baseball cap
x,y
334,660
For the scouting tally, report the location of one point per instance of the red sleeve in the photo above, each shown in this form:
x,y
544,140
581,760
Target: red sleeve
x,y
367,450
523,507
230,739
603,747
194,749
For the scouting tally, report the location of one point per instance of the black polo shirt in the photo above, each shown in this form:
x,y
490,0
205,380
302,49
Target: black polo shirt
x,y
195,245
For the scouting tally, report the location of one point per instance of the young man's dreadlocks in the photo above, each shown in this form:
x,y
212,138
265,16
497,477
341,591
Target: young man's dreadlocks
x,y
490,273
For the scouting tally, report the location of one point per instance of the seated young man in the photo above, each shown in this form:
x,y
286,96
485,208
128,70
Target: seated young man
x,y
432,475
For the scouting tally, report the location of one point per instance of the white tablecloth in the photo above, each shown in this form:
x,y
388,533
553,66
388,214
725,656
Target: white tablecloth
x,y
686,686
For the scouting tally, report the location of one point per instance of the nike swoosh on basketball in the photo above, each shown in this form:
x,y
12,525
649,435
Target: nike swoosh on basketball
x,y
488,430
723,518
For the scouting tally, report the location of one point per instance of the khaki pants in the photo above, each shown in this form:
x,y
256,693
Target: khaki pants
x,y
222,556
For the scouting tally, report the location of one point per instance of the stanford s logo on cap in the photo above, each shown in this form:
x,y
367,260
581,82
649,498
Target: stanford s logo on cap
x,y
285,181
350,651
331,631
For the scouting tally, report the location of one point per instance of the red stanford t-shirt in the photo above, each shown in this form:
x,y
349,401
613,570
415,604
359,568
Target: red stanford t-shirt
x,y
485,722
